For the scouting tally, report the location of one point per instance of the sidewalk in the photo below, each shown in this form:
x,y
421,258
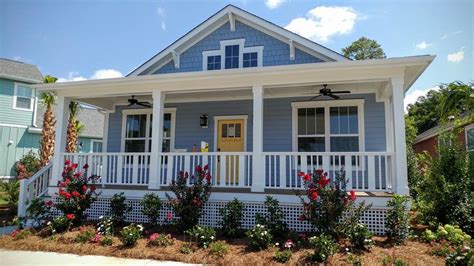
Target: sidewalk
x,y
14,258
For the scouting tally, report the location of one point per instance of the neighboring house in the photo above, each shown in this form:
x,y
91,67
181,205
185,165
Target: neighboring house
x,y
245,86
21,116
428,140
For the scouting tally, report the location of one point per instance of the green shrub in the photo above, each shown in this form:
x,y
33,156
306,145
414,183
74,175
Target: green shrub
x,y
232,215
106,240
202,235
11,193
20,234
283,256
188,201
397,220
260,237
323,246
39,211
130,234
105,226
274,218
28,165
361,237
118,207
60,224
160,240
219,249
151,206
393,261
85,235
186,248
463,256
453,235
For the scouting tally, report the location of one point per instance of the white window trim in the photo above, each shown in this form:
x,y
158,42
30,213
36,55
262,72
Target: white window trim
x,y
32,98
468,127
359,103
230,117
95,141
242,50
148,112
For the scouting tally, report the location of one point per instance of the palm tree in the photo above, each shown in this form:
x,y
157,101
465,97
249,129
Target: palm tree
x,y
48,99
71,139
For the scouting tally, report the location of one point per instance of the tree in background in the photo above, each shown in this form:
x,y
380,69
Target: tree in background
x,y
364,49
457,98
72,127
47,99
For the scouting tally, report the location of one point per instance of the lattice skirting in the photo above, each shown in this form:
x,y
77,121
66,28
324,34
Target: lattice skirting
x,y
373,218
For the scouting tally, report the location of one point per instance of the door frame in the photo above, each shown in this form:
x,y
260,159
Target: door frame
x,y
230,117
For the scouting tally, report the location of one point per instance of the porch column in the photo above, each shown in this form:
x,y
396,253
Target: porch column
x,y
400,179
62,113
258,167
156,139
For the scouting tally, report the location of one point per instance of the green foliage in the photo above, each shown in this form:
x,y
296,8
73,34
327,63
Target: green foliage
x,y
186,248
453,235
39,211
160,240
219,249
393,261
151,205
20,234
463,256
202,235
361,237
189,201
105,226
232,215
60,224
106,241
324,247
283,256
259,237
446,192
274,218
11,193
413,166
397,219
28,165
363,49
130,234
118,207
49,79
85,235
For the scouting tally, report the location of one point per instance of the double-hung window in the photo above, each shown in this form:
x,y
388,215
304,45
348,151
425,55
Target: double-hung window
x,y
232,56
137,130
23,97
329,126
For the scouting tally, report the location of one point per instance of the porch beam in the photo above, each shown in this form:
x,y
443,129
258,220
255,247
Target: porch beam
x,y
157,139
401,176
62,114
258,172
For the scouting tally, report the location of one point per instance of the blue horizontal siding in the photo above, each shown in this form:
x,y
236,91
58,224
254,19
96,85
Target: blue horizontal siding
x,y
275,52
276,124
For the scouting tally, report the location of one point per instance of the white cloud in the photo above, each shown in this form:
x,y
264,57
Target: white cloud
x,y
163,25
162,14
412,96
423,45
272,4
451,34
99,74
457,56
323,22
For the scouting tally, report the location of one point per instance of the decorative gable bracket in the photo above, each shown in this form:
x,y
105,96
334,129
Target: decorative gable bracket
x,y
231,21
292,50
175,59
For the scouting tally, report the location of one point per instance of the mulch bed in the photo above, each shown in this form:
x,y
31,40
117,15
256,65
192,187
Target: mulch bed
x,y
415,253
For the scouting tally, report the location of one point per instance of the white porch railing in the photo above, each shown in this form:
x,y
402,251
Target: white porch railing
x,y
114,168
32,188
365,171
228,169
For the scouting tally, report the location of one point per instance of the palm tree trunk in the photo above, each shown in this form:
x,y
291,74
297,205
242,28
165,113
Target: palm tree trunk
x,y
71,140
47,137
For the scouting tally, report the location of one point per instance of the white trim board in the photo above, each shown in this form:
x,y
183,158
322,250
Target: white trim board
x,y
242,51
32,97
230,117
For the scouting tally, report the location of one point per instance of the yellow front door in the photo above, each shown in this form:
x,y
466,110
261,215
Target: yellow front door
x,y
230,138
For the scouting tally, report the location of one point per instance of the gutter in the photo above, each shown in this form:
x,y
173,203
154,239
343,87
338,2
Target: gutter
x,y
16,78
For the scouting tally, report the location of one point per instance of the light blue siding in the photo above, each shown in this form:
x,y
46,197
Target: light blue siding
x,y
275,52
276,125
8,115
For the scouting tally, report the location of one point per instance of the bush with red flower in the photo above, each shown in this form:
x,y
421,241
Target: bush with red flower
x,y
76,192
189,200
326,204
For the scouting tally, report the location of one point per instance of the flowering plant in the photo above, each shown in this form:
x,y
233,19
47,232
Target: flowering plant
x,y
130,234
324,202
76,191
105,226
60,224
189,201
260,237
160,240
203,235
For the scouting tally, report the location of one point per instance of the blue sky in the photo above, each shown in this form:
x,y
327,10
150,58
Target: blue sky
x,y
77,40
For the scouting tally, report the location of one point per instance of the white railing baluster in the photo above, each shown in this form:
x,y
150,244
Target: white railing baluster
x,y
282,175
371,172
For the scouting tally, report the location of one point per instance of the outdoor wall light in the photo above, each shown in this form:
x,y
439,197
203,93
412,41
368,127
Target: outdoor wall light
x,y
204,121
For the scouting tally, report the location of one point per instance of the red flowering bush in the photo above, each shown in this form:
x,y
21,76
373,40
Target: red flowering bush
x,y
76,192
325,202
189,200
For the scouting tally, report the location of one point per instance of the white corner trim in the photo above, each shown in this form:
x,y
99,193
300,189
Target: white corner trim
x,y
230,117
231,21
12,125
292,49
176,57
32,98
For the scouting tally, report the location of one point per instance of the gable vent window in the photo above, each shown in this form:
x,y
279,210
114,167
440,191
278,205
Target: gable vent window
x,y
232,56
214,62
23,97
250,59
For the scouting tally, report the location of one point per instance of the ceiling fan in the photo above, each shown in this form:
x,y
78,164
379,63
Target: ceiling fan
x,y
133,102
327,92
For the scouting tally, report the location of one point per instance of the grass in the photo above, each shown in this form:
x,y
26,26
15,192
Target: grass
x,y
414,253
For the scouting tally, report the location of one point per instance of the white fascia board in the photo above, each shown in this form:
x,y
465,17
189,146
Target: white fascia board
x,y
20,79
